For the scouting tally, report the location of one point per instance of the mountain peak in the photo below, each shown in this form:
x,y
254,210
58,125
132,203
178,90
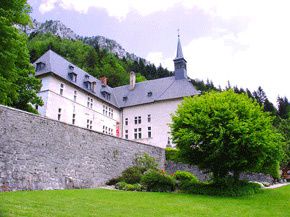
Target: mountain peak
x,y
57,28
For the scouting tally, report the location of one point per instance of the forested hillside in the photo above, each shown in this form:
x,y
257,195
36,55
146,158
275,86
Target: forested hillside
x,y
96,61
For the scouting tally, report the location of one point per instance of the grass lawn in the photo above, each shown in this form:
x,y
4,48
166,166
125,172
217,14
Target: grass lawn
x,y
98,202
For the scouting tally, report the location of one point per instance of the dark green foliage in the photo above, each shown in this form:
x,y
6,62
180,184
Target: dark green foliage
x,y
227,132
283,108
149,71
114,181
132,175
145,162
172,154
204,87
241,188
158,181
18,86
128,187
283,126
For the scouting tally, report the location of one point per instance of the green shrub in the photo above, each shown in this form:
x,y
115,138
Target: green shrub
x,y
146,162
172,154
241,188
158,181
128,187
184,180
184,176
132,175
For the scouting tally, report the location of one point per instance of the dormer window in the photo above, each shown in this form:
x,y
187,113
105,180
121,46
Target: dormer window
x,y
72,76
125,98
94,84
149,94
88,84
87,77
71,68
107,96
40,66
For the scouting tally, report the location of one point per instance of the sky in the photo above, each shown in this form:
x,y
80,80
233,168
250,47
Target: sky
x,y
246,42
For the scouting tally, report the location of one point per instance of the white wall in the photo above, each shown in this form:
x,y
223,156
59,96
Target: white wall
x,y
160,118
50,93
160,112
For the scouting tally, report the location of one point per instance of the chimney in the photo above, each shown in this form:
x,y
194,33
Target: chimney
x,y
104,81
132,80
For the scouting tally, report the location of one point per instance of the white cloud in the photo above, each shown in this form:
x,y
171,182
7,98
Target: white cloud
x,y
47,5
259,55
118,9
256,56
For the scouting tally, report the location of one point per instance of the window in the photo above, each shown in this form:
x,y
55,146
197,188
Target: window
x,y
108,111
135,133
40,66
149,118
36,107
111,112
61,88
73,119
72,76
168,142
105,110
107,130
149,132
90,102
126,121
126,134
137,120
149,94
89,124
88,85
75,95
111,131
107,96
139,133
59,114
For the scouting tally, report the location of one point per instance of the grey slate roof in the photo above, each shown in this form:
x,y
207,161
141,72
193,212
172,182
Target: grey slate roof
x,y
161,89
58,65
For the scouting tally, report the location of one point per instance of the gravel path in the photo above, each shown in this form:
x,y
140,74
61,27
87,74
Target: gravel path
x,y
278,185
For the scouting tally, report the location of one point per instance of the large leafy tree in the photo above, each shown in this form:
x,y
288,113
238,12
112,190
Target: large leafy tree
x,y
227,133
18,86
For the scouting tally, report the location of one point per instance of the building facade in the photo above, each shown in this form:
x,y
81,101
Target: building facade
x,y
137,111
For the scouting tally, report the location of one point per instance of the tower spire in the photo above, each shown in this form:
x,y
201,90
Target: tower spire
x,y
179,53
179,62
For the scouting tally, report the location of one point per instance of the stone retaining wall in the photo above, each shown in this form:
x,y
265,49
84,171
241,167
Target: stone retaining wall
x,y
39,153
172,167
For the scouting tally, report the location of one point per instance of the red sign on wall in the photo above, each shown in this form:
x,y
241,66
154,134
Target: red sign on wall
x,y
117,129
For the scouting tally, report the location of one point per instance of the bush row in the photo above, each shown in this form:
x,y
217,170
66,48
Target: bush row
x,y
145,176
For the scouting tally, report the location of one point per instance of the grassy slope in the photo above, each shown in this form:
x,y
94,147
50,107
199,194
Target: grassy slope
x,y
99,202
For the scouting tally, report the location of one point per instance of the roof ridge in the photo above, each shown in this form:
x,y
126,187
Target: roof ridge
x,y
147,81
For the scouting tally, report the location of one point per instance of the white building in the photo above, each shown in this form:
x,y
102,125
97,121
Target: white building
x,y
137,111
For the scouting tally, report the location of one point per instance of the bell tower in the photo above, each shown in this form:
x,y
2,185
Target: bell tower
x,y
179,63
